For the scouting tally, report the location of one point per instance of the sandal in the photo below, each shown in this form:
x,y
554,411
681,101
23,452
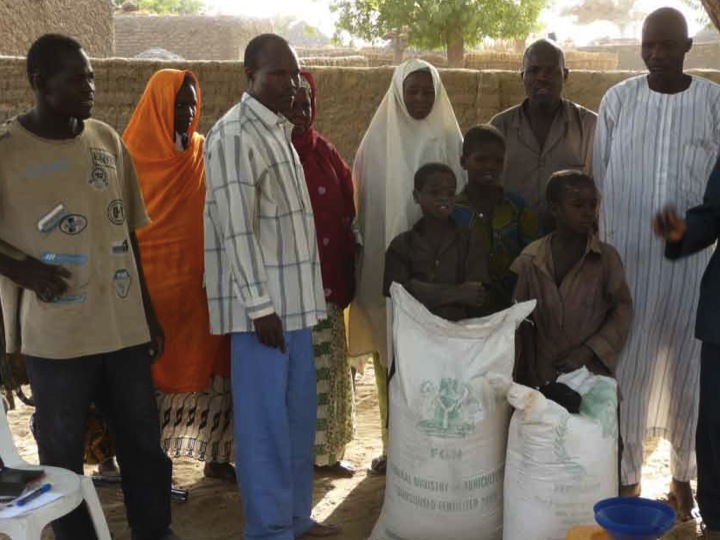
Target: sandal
x,y
379,466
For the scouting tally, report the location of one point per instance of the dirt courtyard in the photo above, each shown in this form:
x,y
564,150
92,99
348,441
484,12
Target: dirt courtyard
x,y
213,511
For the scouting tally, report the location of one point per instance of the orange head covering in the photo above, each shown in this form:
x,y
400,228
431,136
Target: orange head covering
x,y
150,135
171,247
167,175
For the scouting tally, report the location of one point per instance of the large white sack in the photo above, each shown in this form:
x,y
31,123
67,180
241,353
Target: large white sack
x,y
560,464
448,424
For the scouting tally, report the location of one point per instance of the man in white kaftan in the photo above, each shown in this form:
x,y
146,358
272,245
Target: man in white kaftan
x,y
657,141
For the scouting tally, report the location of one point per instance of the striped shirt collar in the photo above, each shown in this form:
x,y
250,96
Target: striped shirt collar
x,y
269,118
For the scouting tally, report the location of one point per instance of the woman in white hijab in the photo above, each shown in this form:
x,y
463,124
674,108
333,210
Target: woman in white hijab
x,y
414,125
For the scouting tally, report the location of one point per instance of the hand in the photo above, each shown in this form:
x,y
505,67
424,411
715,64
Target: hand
x,y
471,293
669,226
269,331
575,359
47,281
156,347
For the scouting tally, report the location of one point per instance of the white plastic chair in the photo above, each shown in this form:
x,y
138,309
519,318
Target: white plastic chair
x,y
74,489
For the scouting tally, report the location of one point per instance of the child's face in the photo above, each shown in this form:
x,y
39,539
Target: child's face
x,y
437,196
578,209
484,164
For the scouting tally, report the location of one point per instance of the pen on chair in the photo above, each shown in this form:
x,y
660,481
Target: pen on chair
x,y
22,501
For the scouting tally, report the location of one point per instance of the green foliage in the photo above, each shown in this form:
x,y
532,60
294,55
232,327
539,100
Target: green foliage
x,y
168,7
589,11
698,13
712,7
433,23
282,23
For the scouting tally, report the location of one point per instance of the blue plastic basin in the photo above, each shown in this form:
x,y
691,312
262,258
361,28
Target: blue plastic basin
x,y
633,518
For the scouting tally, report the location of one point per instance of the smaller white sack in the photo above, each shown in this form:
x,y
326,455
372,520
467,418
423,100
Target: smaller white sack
x,y
560,464
448,424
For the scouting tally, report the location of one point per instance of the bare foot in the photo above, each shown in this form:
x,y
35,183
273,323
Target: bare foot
x,y
681,497
320,530
630,490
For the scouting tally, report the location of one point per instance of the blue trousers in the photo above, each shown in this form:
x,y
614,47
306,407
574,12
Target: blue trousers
x,y
120,384
275,408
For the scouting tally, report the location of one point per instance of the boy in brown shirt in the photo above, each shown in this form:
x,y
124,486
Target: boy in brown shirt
x,y
440,263
584,307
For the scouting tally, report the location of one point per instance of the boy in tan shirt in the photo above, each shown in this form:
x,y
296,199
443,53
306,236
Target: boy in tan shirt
x,y
584,308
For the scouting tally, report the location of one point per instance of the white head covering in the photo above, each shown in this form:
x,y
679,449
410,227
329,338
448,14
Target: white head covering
x,y
394,147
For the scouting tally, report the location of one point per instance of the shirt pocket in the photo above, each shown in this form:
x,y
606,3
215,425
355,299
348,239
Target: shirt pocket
x,y
590,286
282,196
267,208
568,153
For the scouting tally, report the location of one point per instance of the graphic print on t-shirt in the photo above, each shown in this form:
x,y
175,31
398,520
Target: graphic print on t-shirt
x,y
120,246
122,282
73,224
102,163
99,179
77,265
52,219
59,218
116,212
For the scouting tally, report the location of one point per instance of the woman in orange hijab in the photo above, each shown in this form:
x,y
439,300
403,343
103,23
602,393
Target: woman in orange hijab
x,y
192,375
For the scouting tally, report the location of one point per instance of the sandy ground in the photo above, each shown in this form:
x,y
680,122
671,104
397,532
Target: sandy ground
x,y
213,512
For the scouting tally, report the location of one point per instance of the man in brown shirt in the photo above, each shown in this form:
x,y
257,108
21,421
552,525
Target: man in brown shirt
x,y
545,133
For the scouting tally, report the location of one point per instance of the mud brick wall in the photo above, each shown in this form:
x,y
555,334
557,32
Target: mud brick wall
x,y
348,97
486,60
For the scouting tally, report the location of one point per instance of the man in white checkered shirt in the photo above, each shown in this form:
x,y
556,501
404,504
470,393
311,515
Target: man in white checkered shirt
x,y
265,289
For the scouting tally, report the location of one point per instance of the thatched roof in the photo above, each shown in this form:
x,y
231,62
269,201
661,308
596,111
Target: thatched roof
x,y
195,37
